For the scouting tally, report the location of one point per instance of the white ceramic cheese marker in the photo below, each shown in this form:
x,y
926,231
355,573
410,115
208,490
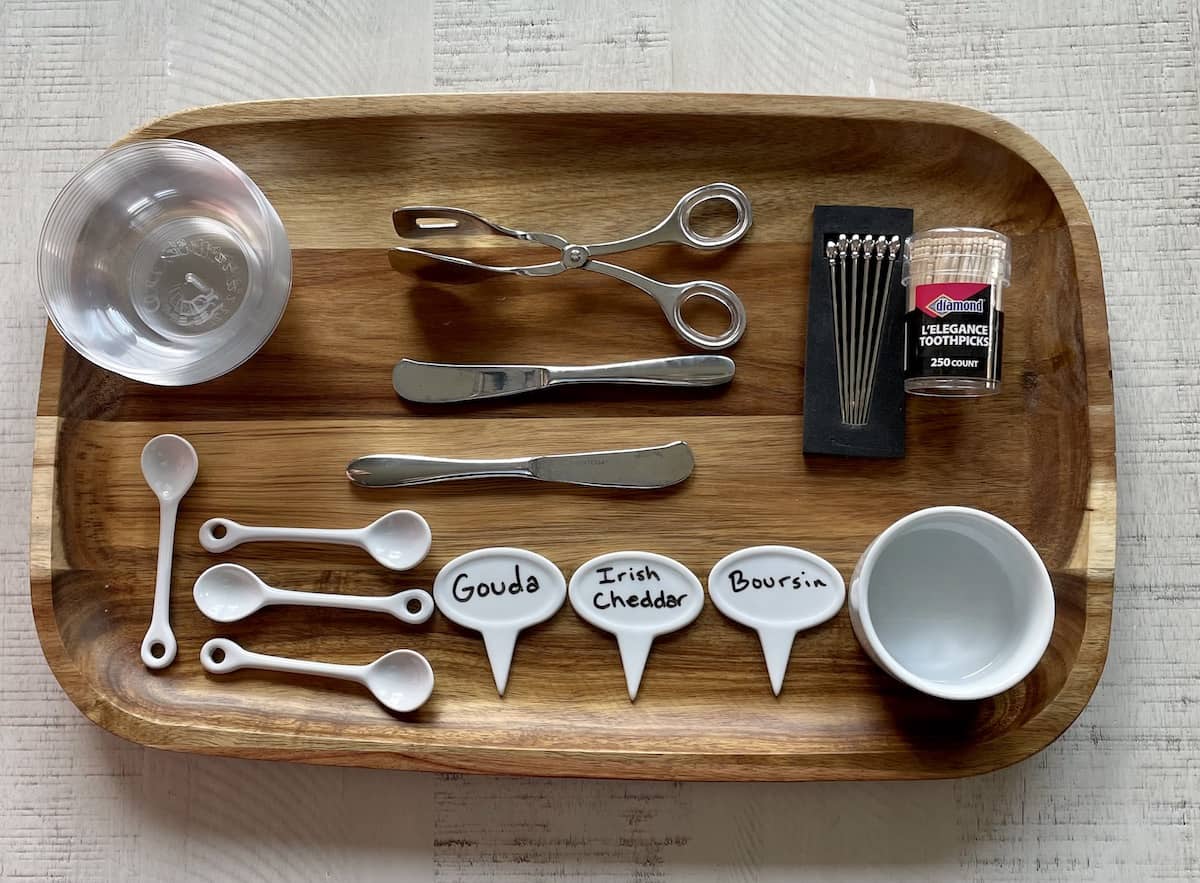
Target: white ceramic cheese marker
x,y
636,596
497,592
777,591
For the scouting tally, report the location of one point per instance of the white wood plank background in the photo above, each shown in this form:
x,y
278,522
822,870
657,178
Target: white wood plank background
x,y
1111,88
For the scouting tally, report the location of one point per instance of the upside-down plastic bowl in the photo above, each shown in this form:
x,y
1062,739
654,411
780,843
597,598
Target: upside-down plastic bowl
x,y
163,262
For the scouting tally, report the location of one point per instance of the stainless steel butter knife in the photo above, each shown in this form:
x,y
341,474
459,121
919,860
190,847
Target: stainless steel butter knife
x,y
435,382
646,468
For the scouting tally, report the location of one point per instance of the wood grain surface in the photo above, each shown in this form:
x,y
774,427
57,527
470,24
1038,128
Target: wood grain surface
x,y
273,438
1110,88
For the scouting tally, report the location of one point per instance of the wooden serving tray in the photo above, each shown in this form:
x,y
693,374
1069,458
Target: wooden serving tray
x,y
275,435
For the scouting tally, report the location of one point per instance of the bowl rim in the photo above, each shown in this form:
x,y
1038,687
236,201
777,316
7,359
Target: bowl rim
x,y
175,376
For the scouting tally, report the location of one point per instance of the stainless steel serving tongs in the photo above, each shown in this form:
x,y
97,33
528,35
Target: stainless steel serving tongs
x,y
423,222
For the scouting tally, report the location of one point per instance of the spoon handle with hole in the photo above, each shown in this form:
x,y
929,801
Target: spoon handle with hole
x,y
234,657
236,534
159,635
396,605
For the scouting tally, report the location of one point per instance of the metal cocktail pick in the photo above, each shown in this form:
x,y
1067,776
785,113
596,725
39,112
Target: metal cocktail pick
x,y
859,316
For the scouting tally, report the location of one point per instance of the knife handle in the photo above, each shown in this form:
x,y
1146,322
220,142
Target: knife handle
x,y
402,470
696,370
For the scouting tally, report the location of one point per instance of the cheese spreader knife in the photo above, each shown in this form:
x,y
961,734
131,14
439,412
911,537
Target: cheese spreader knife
x,y
437,383
644,468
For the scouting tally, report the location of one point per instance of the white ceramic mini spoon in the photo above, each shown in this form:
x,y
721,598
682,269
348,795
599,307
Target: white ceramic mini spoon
x,y
398,540
169,465
401,680
229,592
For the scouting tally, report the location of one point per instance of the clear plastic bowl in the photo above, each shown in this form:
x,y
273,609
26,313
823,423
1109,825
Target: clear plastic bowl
x,y
162,261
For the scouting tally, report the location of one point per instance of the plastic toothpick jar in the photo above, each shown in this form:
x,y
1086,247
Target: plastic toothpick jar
x,y
954,320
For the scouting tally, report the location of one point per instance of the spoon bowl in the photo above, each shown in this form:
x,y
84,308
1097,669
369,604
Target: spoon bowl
x,y
401,680
169,465
398,540
229,592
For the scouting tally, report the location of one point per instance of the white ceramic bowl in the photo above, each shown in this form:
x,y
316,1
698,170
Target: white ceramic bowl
x,y
954,602
164,262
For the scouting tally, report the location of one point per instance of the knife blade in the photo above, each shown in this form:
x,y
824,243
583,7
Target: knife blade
x,y
437,382
636,468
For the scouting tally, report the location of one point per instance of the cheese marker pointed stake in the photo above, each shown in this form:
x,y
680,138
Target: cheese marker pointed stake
x,y
635,650
498,592
777,650
777,591
500,644
636,596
